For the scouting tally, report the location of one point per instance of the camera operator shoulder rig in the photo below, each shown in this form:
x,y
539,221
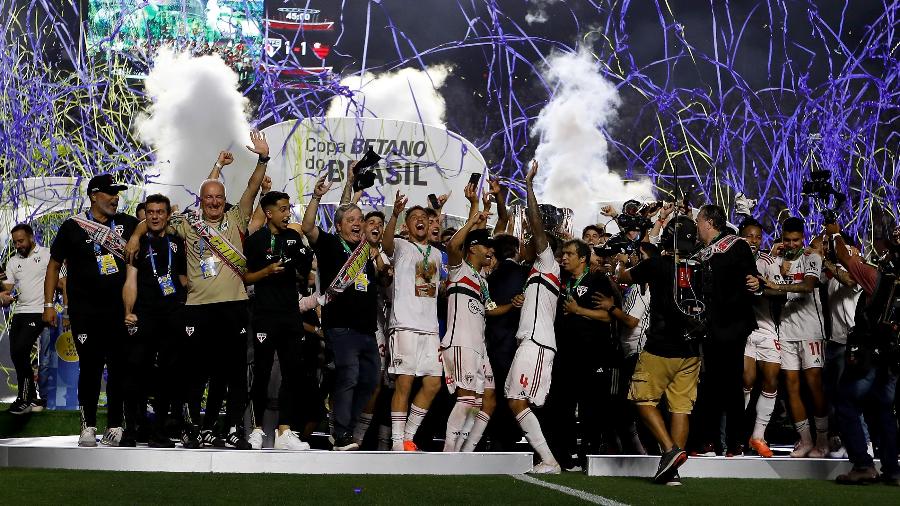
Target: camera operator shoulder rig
x,y
877,325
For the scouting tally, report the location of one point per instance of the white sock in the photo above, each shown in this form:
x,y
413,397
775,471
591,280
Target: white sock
x,y
747,393
468,424
821,430
481,421
413,421
384,438
802,428
398,427
456,420
532,430
765,405
362,426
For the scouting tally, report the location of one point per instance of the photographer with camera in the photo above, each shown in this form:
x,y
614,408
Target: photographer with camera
x,y
670,361
873,360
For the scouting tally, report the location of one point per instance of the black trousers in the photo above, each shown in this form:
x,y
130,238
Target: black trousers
x,y
722,391
24,330
585,389
216,336
154,365
100,340
298,392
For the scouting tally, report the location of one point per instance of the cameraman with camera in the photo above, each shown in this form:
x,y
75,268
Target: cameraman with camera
x,y
873,360
669,364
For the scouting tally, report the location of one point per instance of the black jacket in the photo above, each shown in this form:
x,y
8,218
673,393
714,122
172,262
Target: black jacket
x,y
729,304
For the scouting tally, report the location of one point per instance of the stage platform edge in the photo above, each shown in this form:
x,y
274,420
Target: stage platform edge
x,y
722,467
62,452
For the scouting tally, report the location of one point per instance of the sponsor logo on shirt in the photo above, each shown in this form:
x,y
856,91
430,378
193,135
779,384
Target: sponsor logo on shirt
x,y
261,336
189,331
82,338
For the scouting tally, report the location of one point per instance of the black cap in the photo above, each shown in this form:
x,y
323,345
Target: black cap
x,y
104,183
480,236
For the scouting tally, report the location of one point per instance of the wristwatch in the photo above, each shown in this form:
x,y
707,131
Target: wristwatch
x,y
264,159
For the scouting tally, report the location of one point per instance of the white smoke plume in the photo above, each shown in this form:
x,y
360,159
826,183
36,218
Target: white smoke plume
x,y
408,94
573,150
196,112
538,12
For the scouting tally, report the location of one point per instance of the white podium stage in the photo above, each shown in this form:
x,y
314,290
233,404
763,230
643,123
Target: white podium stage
x,y
62,452
722,467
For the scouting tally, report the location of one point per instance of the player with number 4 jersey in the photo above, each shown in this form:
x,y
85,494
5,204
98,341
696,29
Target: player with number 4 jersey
x,y
529,376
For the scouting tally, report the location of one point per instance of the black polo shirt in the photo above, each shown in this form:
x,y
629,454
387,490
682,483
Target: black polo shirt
x,y
354,308
581,339
276,294
89,292
150,296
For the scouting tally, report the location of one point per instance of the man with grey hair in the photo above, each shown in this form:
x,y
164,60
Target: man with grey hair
x,y
216,314
346,266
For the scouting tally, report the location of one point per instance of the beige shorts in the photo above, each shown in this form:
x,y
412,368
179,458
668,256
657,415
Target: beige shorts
x,y
677,378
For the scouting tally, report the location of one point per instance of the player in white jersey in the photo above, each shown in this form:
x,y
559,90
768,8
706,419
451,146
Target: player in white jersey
x,y
413,335
529,376
466,368
763,351
802,334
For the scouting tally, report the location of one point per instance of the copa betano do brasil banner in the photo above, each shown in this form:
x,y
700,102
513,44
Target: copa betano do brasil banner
x,y
417,160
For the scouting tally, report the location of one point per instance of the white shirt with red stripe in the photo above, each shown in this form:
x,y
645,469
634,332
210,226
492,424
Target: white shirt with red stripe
x,y
802,318
465,309
541,295
768,268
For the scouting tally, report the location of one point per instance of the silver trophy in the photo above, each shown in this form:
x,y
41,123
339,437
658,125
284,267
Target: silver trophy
x,y
557,221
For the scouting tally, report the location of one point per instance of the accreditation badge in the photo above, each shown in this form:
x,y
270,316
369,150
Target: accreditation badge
x,y
362,282
208,268
166,285
107,264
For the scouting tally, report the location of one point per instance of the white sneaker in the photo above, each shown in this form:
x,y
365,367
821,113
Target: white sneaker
x,y
821,449
396,446
112,437
88,438
840,453
289,440
256,438
801,450
544,468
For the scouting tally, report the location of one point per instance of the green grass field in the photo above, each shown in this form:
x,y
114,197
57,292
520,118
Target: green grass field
x,y
103,487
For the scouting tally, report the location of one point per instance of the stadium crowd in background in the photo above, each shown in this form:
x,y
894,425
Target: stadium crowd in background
x,y
680,335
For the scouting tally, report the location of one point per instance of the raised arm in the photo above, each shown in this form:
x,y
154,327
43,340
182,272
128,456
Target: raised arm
x,y
225,158
261,148
309,216
348,195
455,251
496,189
387,239
258,220
534,214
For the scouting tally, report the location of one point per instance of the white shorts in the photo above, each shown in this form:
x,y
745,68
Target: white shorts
x,y
763,346
465,368
414,353
488,374
529,375
802,355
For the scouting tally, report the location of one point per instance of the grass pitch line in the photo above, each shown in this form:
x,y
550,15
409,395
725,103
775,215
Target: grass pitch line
x,y
574,492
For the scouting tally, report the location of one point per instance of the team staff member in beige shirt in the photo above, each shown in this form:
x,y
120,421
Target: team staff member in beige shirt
x,y
216,311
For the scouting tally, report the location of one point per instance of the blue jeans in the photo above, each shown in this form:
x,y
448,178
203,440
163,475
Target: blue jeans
x,y
876,388
835,363
357,364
